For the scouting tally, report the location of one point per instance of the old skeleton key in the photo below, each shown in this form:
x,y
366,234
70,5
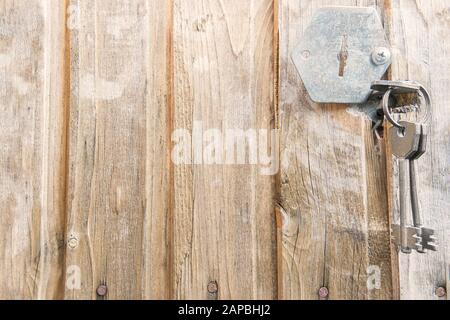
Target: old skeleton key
x,y
406,146
427,235
408,141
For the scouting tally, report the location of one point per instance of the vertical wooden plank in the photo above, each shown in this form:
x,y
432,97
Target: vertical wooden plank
x,y
420,33
224,224
118,207
333,185
157,281
32,158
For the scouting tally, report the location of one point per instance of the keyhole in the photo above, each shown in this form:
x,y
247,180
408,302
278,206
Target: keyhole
x,y
401,132
343,56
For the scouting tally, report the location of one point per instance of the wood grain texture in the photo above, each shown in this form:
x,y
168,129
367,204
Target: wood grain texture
x,y
420,36
92,96
32,158
118,199
333,184
224,221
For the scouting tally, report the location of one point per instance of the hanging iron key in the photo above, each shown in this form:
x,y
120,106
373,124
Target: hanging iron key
x,y
405,145
408,141
409,144
426,234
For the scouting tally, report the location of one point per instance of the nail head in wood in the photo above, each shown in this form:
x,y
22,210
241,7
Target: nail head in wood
x,y
102,290
73,243
441,292
323,292
213,287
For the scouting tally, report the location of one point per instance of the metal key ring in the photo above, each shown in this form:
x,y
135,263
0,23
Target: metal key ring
x,y
421,92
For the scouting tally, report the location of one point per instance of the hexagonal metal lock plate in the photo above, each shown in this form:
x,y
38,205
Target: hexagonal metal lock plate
x,y
342,52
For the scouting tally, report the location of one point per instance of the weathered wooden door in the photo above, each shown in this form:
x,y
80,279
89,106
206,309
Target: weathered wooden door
x,y
114,184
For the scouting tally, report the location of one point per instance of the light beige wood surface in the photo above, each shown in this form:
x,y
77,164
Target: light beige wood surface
x,y
120,134
224,228
420,36
333,184
93,94
32,142
118,200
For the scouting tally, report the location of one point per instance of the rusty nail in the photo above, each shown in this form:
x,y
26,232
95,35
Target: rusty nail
x,y
441,292
102,290
323,292
212,287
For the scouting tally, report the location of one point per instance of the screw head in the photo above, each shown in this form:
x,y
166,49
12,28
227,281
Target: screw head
x,y
213,287
306,54
381,55
323,292
441,292
72,243
102,290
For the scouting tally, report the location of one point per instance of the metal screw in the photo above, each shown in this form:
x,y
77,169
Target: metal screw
x,y
102,290
213,287
381,55
441,292
323,292
306,54
73,243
